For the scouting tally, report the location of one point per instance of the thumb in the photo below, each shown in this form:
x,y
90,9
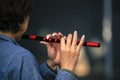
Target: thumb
x,y
46,43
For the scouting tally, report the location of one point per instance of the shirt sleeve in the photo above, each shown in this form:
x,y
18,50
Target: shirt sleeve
x,y
46,72
62,74
66,75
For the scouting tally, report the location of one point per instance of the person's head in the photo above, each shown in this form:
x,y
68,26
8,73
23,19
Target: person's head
x,y
14,15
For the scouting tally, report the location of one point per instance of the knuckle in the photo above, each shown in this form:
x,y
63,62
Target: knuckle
x,y
62,48
67,50
73,51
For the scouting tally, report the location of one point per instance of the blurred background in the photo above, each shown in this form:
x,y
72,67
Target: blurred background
x,y
98,20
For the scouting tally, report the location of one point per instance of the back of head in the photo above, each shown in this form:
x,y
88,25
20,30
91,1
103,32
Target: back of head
x,y
13,13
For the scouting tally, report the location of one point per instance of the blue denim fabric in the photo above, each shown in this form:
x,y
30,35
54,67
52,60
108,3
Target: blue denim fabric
x,y
17,63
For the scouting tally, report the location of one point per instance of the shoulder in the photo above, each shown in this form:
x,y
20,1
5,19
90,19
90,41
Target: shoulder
x,y
14,56
12,49
22,58
22,53
19,55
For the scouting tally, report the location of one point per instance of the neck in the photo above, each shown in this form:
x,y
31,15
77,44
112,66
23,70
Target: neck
x,y
9,34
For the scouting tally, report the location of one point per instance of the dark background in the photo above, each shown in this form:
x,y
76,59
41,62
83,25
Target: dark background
x,y
86,17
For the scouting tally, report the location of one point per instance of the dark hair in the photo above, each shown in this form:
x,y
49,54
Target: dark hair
x,y
13,13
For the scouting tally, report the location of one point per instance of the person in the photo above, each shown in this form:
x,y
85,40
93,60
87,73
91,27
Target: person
x,y
17,63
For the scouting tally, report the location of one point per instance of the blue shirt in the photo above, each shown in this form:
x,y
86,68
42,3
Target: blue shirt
x,y
17,63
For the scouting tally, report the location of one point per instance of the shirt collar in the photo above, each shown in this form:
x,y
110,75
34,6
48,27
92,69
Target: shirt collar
x,y
6,38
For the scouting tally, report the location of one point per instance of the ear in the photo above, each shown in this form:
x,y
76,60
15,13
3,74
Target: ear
x,y
24,25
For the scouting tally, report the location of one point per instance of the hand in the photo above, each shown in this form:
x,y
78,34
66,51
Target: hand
x,y
53,51
70,51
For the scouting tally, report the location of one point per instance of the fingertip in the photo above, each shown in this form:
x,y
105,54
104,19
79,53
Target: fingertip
x,y
70,35
48,36
60,33
75,32
42,42
83,36
81,41
64,37
54,34
75,35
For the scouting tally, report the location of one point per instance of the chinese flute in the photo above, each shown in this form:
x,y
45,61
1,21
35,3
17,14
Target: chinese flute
x,y
55,40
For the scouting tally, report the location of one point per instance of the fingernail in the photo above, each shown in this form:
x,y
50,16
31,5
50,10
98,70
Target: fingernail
x,y
47,37
60,33
41,41
83,36
75,31
65,37
53,34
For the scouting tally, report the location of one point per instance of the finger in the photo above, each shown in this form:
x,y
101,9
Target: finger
x,y
74,42
65,37
43,42
54,34
69,40
60,35
57,35
62,42
48,44
48,36
81,43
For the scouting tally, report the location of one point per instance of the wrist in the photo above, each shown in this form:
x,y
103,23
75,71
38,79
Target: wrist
x,y
68,67
51,65
71,72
